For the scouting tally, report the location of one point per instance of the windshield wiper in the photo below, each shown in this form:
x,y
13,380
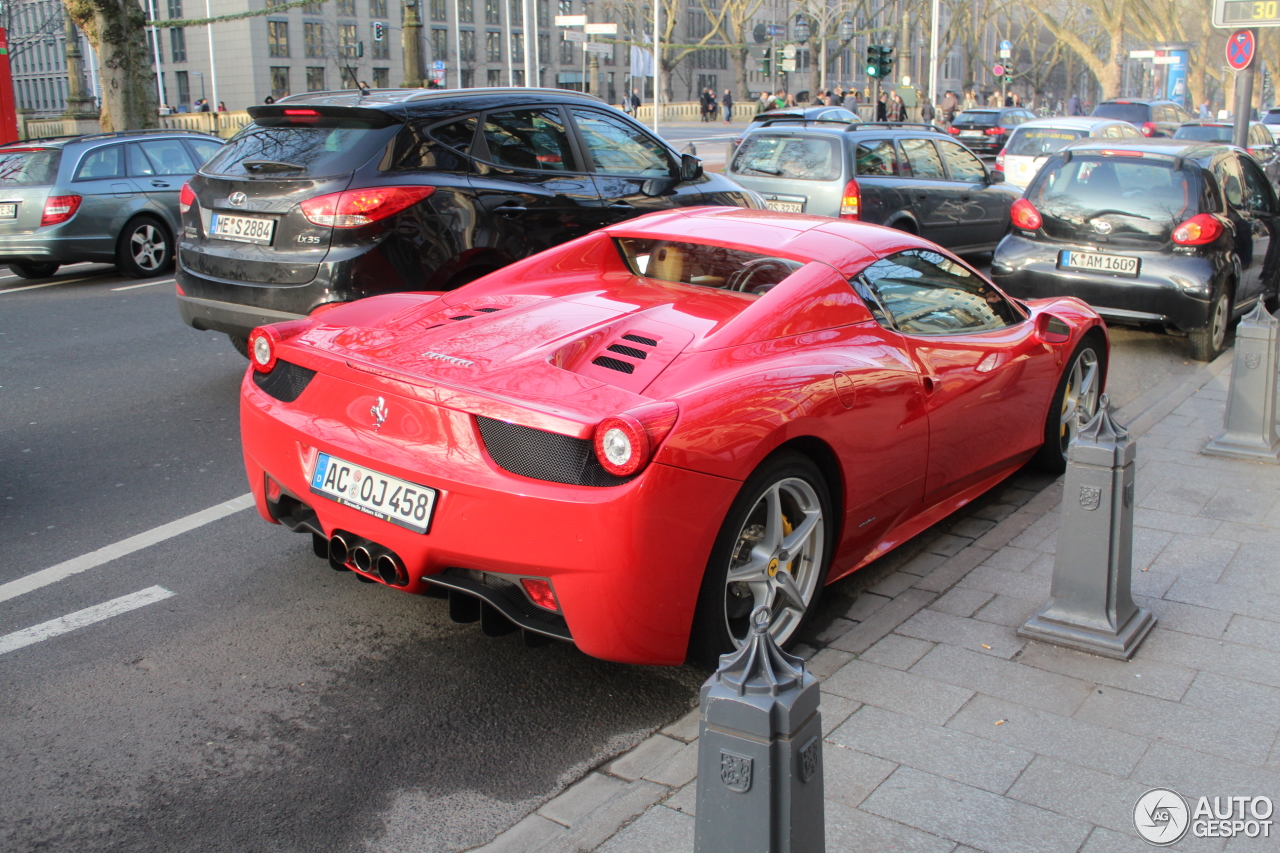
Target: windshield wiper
x,y
774,172
271,166
1117,212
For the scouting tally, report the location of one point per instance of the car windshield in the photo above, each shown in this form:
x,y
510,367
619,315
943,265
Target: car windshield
x,y
1131,198
1206,132
705,265
807,158
977,117
29,167
1041,141
1132,113
1272,117
318,148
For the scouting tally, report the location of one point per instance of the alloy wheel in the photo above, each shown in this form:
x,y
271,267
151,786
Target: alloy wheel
x,y
1080,397
147,245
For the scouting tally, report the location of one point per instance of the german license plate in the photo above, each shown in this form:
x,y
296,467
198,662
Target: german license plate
x,y
382,496
786,206
1095,262
244,229
9,210
972,134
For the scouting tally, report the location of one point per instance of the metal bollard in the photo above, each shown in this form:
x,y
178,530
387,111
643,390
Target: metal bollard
x,y
1249,425
1092,608
760,753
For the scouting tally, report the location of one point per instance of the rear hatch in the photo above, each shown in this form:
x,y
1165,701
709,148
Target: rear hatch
x,y
1124,201
247,224
27,174
1030,147
971,125
795,173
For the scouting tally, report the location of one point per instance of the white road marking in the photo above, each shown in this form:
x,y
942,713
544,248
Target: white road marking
x,y
107,553
46,284
81,618
144,284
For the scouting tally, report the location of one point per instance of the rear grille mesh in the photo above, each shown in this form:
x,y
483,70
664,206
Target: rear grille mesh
x,y
285,382
614,364
544,455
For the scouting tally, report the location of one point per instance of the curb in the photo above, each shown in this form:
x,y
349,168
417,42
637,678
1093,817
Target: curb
x,y
615,793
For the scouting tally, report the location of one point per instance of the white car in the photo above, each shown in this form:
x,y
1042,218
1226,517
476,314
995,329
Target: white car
x,y
1034,141
1272,120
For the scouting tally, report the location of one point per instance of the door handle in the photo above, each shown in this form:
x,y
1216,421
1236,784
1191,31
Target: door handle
x,y
622,205
159,184
510,209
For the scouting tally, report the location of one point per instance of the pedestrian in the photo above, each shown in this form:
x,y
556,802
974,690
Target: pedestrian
x,y
897,108
852,100
882,107
970,99
1204,111
704,105
950,104
1073,106
779,99
927,112
635,101
222,106
727,103
204,105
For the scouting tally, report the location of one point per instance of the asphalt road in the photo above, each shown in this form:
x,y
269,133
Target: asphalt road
x,y
223,689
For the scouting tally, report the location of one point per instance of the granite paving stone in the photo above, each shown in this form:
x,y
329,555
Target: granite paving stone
x,y
904,692
896,651
645,757
982,637
678,770
866,605
1248,602
1184,498
581,798
1147,545
921,564
686,728
972,816
1235,504
1160,679
855,830
961,602
835,710
657,829
945,576
1245,662
1174,522
949,545
827,661
1232,696
852,774
1195,774
1200,558
1248,631
1006,531
595,827
1151,584
1008,611
1103,840
685,800
995,511
893,614
1004,679
532,833
1042,566
972,527
1016,584
1188,618
821,635
949,753
1254,567
893,584
1011,558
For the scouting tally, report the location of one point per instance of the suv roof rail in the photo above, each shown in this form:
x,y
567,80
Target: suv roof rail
x,y
425,94
805,122
894,125
20,143
116,134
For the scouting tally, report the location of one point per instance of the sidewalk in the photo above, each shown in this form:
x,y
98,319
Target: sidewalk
x,y
946,732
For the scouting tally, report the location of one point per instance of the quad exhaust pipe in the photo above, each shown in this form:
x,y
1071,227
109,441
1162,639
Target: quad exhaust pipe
x,y
368,558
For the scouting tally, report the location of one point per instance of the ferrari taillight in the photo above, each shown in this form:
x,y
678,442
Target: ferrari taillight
x,y
851,200
265,340
1199,230
186,198
60,208
1024,215
625,443
354,208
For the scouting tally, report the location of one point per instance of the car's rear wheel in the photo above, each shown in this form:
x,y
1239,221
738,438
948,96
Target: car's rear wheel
x,y
772,551
241,343
1078,393
145,249
30,269
1207,343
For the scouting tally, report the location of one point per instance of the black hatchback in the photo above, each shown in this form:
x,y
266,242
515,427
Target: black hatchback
x,y
1169,233
985,131
1152,117
334,196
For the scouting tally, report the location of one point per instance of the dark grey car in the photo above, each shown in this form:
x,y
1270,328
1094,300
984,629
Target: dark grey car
x,y
110,198
908,177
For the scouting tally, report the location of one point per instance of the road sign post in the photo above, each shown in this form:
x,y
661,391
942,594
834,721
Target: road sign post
x,y
1242,46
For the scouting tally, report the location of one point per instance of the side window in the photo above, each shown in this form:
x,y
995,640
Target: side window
x,y
139,165
168,156
1227,171
204,148
441,148
923,159
101,163
921,292
1258,196
614,147
533,139
962,163
875,158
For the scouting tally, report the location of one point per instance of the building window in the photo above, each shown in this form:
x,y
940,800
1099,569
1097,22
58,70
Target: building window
x,y
382,49
315,79
175,10
347,7
438,11
493,47
492,13
518,78
467,77
279,81
466,11
184,88
566,51
493,77
544,14
517,47
313,9
313,35
382,78
377,8
271,3
439,43
515,11
566,7
153,44
178,44
467,46
348,77
544,48
347,40
278,38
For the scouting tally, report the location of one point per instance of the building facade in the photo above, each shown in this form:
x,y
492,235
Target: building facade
x,y
38,56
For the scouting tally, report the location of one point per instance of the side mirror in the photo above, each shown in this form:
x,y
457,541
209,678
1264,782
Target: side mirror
x,y
690,167
994,177
1052,330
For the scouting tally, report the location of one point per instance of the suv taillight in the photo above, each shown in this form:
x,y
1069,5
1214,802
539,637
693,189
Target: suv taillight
x,y
60,208
1024,215
1199,230
186,198
1148,128
354,208
999,167
850,200
995,131
953,130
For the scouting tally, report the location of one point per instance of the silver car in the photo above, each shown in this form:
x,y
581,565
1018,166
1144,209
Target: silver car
x,y
1034,141
107,198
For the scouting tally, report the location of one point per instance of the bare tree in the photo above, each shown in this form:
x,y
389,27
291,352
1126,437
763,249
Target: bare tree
x,y
1114,20
115,29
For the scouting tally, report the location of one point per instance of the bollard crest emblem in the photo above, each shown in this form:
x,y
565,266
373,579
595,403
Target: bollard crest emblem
x,y
735,771
1253,360
1090,497
809,759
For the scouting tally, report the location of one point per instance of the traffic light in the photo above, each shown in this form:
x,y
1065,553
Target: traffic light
x,y
1008,73
359,48
874,55
379,30
766,62
886,63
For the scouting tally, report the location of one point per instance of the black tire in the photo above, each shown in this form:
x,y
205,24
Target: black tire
x,y
1208,343
1079,387
721,621
145,248
33,269
241,343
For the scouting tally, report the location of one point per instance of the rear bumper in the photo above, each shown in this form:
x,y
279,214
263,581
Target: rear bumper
x,y
48,246
238,308
1169,290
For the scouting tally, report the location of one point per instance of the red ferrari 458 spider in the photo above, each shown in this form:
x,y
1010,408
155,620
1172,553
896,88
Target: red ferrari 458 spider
x,y
635,439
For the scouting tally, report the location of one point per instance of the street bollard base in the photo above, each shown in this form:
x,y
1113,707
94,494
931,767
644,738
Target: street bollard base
x,y
1119,644
1250,448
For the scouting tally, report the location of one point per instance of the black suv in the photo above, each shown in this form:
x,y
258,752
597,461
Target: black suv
x,y
986,130
1162,232
333,196
1153,118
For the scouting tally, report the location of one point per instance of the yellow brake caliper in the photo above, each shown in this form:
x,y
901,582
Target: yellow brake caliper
x,y
774,564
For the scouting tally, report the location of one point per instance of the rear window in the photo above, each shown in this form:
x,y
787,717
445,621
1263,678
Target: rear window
x,y
1206,133
704,265
808,158
1272,117
1041,142
1138,198
29,167
1132,113
977,117
323,148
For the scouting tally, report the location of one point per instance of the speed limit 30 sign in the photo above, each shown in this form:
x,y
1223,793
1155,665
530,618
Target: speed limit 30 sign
x,y
1228,14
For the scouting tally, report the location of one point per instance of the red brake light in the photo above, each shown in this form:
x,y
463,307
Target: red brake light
x,y
354,208
301,113
1148,129
851,200
954,131
1025,216
540,592
186,198
999,167
59,208
1107,152
1199,230
262,348
995,131
622,446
